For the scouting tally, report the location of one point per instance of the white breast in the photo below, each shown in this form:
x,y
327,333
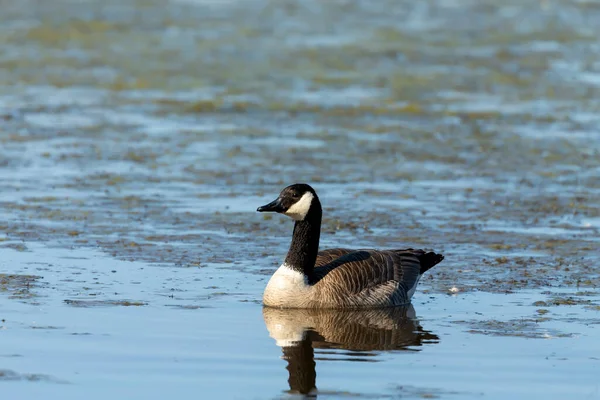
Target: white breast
x,y
287,288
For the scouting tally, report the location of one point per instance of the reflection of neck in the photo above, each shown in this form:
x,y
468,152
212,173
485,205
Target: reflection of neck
x,y
301,366
305,241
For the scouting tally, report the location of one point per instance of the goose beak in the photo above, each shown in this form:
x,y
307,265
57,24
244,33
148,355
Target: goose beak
x,y
274,206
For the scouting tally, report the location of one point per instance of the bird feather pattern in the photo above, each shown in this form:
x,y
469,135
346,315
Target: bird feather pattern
x,y
369,277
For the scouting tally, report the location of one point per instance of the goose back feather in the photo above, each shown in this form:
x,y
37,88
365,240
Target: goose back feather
x,y
348,278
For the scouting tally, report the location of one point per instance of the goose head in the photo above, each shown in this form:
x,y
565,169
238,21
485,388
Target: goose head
x,y
296,201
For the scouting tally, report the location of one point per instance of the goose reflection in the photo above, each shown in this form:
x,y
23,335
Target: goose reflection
x,y
359,332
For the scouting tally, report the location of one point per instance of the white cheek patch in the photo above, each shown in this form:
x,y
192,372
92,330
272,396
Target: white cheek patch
x,y
299,209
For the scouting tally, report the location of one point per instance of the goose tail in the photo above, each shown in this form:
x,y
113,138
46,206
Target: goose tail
x,y
429,260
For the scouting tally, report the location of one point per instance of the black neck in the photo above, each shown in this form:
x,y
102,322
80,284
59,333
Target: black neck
x,y
305,241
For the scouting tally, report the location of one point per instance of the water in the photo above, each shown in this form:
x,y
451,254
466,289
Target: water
x,y
98,327
137,140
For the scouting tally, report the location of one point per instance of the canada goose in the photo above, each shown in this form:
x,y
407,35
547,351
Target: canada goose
x,y
337,278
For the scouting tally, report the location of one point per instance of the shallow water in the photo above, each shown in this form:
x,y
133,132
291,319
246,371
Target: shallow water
x,y
94,326
137,140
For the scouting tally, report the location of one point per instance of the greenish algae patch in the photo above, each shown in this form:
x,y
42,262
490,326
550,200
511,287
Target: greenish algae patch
x,y
19,286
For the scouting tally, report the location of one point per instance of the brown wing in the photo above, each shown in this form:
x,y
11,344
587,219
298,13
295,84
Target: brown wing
x,y
374,276
326,256
362,269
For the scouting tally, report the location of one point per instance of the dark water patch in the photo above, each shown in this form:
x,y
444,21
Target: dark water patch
x,y
526,328
186,306
48,327
15,246
412,392
104,303
8,375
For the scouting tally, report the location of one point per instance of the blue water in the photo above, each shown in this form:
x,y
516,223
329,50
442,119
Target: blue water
x,y
190,340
